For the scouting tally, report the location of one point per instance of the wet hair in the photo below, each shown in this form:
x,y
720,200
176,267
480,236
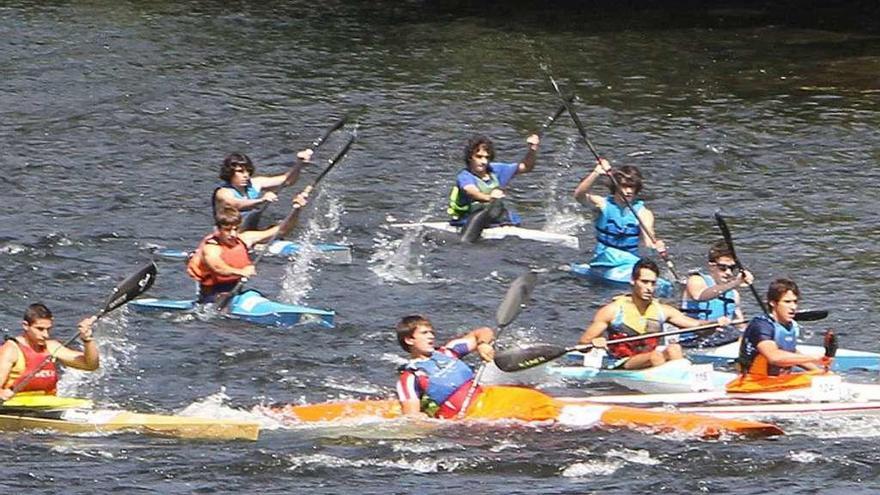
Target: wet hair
x,y
36,311
719,249
474,144
226,217
232,162
647,264
407,326
779,287
627,175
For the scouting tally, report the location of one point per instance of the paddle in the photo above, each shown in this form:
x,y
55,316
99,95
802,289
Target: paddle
x,y
286,225
483,218
725,232
830,341
518,294
252,221
582,131
811,315
127,290
529,357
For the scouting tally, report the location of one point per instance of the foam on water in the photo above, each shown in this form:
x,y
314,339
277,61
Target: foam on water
x,y
421,465
394,260
213,406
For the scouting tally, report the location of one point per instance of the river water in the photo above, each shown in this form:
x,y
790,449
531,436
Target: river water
x,y
116,115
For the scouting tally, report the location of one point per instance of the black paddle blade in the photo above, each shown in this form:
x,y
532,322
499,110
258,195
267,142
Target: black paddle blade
x,y
130,288
518,294
725,232
811,315
830,343
529,357
480,220
323,137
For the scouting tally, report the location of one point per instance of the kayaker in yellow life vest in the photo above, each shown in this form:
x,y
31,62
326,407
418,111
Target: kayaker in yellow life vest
x,y
768,350
25,354
637,314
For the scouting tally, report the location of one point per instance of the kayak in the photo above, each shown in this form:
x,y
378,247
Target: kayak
x,y
679,375
844,360
76,416
337,253
500,233
619,276
503,403
250,306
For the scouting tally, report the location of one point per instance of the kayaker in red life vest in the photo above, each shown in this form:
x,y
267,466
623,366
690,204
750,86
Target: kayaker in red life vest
x,y
435,381
222,258
21,355
638,313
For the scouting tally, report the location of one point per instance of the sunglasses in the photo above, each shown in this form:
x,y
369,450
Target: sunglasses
x,y
724,267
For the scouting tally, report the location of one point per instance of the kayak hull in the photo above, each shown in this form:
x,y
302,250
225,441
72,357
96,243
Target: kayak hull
x,y
679,375
249,306
500,232
618,276
844,360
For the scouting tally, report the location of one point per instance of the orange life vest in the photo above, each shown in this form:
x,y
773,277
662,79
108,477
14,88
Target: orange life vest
x,y
235,256
45,380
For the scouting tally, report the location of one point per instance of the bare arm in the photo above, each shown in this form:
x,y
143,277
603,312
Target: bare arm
x,y
582,191
288,178
597,327
778,357
681,320
528,162
8,356
88,359
211,253
225,198
475,194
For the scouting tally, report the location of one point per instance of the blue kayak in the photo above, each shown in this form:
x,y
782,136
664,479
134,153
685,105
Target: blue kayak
x,y
339,253
249,306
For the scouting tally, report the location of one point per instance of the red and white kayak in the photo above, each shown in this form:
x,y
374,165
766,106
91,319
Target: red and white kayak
x,y
525,404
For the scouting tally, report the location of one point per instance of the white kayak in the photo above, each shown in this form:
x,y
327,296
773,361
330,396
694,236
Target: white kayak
x,y
844,360
500,232
679,375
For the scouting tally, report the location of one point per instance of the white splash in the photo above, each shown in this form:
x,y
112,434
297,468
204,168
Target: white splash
x,y
592,468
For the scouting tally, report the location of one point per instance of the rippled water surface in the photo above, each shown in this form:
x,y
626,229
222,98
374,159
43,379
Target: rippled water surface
x,y
116,115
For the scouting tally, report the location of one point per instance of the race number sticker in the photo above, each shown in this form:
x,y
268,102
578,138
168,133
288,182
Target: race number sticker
x,y
701,377
594,358
826,388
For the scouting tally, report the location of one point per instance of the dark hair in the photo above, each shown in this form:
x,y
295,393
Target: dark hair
x,y
36,311
226,217
647,264
719,249
474,145
627,175
407,326
233,161
779,287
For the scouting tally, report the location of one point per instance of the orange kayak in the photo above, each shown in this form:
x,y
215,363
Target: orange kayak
x,y
525,404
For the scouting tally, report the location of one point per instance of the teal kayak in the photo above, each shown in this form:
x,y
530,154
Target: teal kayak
x,y
619,275
679,375
249,306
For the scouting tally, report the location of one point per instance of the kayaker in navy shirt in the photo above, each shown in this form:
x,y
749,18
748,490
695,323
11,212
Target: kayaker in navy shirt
x,y
483,179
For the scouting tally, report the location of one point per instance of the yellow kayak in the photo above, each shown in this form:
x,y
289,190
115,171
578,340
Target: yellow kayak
x,y
525,404
71,415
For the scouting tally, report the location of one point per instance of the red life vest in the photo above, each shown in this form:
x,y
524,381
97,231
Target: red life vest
x,y
45,380
235,256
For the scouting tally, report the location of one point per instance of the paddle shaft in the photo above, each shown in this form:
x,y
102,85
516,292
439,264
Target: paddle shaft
x,y
636,338
728,238
289,221
582,131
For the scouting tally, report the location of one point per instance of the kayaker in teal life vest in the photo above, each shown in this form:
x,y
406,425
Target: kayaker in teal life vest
x,y
709,297
483,179
617,229
243,191
435,381
639,313
20,356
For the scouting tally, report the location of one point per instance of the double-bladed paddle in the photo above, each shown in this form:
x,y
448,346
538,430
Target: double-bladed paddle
x,y
582,131
127,290
252,221
287,224
483,218
518,294
725,232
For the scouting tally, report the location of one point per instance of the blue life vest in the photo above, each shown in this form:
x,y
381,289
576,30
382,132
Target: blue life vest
x,y
251,192
445,375
723,305
618,227
785,338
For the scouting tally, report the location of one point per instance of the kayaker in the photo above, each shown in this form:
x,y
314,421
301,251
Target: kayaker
x,y
483,179
769,345
638,313
22,355
709,297
617,229
243,191
221,259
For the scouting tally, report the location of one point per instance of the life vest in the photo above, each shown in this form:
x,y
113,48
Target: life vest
x,y
628,322
235,256
723,305
617,226
45,380
446,375
249,218
460,202
754,362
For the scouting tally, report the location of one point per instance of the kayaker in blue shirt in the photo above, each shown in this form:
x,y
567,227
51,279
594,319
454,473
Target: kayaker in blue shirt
x,y
712,296
243,191
483,179
617,230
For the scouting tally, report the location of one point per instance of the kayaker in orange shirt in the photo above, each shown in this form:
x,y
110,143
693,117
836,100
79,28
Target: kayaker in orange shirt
x,y
27,353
